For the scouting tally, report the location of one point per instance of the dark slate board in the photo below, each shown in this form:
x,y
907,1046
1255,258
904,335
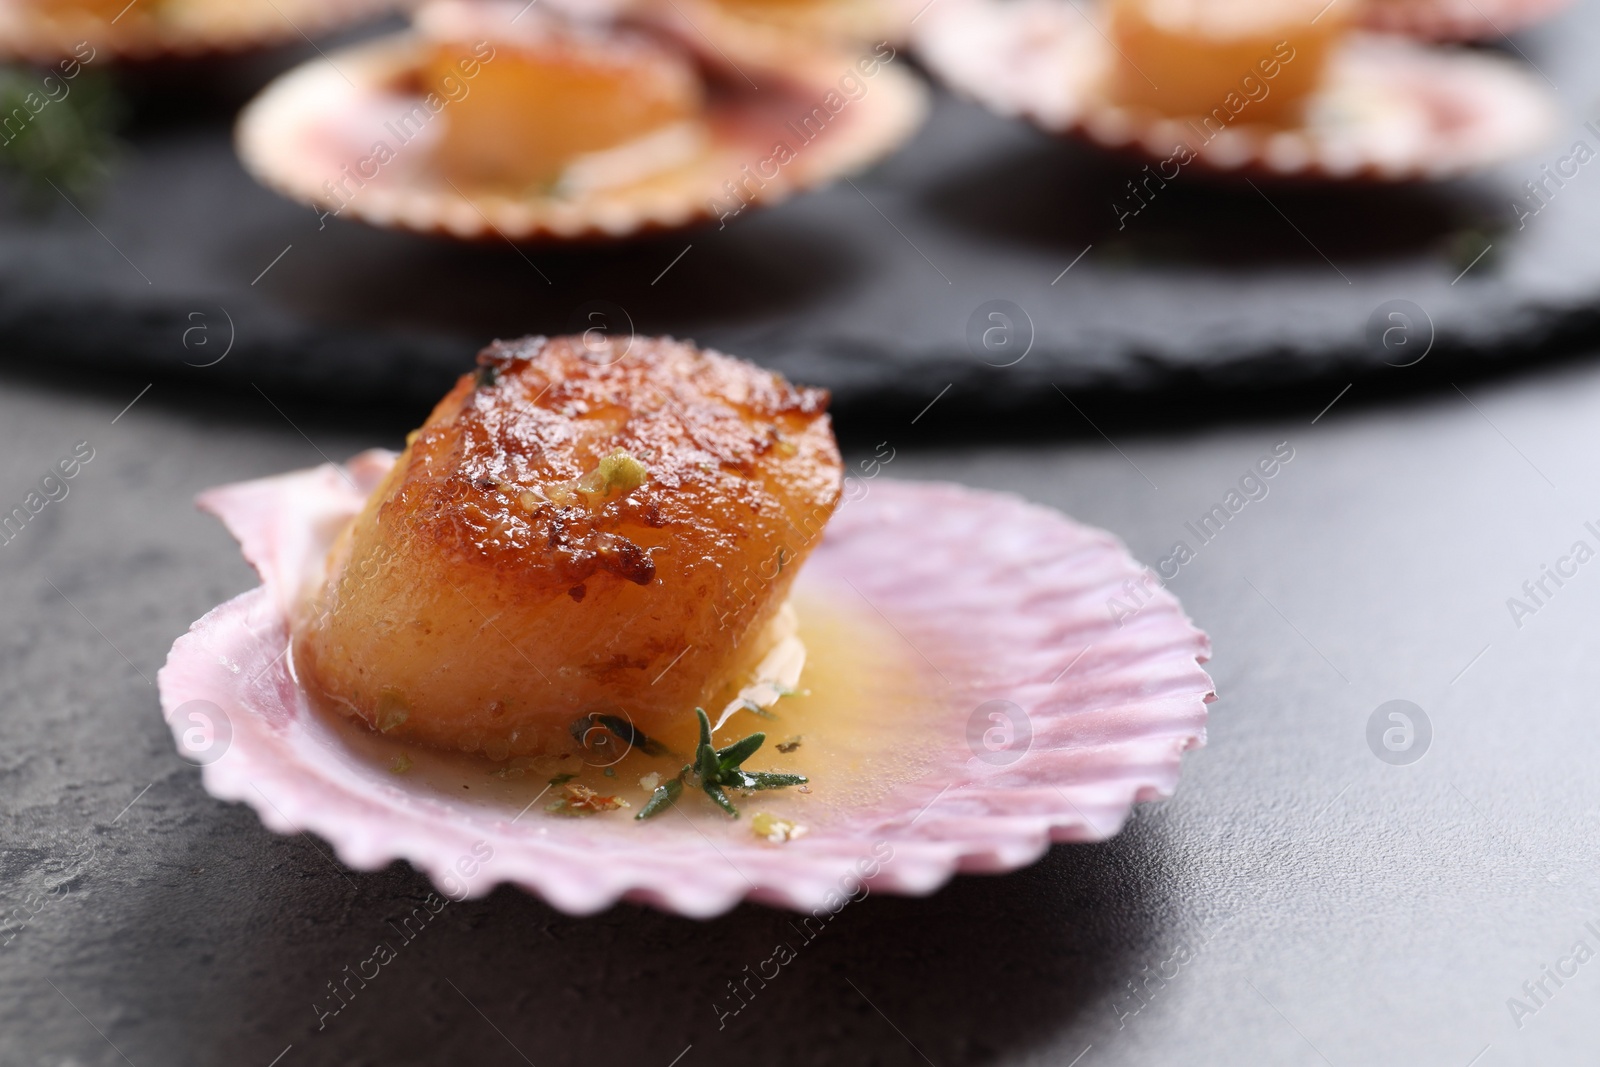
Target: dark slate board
x,y
867,289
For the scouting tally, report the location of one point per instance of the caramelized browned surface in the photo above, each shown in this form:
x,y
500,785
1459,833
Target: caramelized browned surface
x,y
494,588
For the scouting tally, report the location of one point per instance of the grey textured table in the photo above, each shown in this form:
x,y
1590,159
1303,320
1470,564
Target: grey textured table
x,y
1306,902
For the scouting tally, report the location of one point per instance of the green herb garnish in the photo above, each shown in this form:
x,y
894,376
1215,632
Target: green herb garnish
x,y
487,377
563,779
64,141
717,770
621,471
663,798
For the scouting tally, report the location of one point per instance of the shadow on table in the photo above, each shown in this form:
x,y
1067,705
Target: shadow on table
x,y
1062,196
668,284
984,969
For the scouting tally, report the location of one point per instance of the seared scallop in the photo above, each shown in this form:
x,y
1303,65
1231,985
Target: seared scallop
x,y
578,527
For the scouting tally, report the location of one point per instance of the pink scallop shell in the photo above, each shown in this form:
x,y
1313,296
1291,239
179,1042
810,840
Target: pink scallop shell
x,y
1010,598
1392,109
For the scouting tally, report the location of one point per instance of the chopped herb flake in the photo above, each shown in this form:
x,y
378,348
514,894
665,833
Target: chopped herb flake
x,y
392,710
581,800
718,770
665,795
622,472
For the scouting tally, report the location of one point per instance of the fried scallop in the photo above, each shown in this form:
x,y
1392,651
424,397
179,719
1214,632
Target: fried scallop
x,y
577,528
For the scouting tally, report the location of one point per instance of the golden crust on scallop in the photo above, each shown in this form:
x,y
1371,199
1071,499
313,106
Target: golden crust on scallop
x,y
574,529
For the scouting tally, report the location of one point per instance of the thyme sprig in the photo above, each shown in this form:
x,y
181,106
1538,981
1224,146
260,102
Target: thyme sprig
x,y
716,770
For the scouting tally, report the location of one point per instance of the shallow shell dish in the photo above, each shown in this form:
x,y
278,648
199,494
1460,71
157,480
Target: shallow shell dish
x,y
968,697
778,27
1457,20
1389,109
326,134
160,29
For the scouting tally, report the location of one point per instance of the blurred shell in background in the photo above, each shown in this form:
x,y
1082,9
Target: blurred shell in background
x,y
499,121
1289,94
47,30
